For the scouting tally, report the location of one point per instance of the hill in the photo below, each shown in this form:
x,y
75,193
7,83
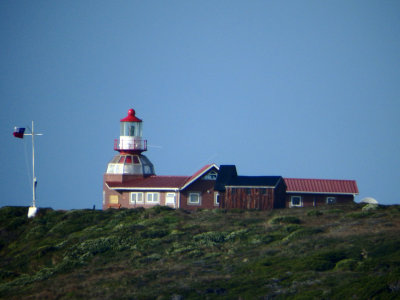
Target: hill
x,y
330,253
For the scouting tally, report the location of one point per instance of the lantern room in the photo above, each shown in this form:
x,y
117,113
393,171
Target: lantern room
x,y
130,140
131,125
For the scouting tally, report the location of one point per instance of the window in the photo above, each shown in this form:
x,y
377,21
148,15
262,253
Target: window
x,y
211,176
121,159
152,197
216,198
248,191
113,199
296,201
136,160
194,198
131,130
128,159
263,191
136,198
146,169
330,200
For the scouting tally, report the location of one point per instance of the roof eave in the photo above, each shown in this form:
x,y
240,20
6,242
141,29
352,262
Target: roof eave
x,y
332,193
250,186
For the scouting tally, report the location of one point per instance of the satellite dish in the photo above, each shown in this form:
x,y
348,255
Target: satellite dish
x,y
369,200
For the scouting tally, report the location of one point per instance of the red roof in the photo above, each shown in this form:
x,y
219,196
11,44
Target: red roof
x,y
153,182
161,182
199,173
323,186
131,117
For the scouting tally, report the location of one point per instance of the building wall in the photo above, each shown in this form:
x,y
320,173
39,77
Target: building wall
x,y
124,199
248,198
280,195
204,187
206,190
310,200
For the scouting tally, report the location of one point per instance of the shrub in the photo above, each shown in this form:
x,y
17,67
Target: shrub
x,y
335,211
348,264
285,220
370,206
210,238
154,233
360,215
301,233
159,209
236,234
314,213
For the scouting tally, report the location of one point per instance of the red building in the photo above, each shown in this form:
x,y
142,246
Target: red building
x,y
317,192
130,179
270,192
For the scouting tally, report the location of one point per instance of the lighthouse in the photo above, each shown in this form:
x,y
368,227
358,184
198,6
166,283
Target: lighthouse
x,y
129,162
130,180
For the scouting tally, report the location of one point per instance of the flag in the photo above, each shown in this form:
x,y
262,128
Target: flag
x,y
19,132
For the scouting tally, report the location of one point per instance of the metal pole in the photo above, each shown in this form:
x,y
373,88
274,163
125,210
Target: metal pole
x,y
33,169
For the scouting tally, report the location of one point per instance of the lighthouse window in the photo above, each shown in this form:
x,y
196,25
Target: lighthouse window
x,y
136,160
132,131
128,159
121,160
115,160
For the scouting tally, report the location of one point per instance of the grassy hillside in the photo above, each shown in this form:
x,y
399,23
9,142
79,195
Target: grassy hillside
x,y
160,253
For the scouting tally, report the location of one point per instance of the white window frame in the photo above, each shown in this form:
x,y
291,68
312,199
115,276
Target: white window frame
x,y
151,196
330,200
296,205
198,202
216,199
136,195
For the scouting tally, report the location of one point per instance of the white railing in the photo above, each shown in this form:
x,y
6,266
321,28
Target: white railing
x,y
136,144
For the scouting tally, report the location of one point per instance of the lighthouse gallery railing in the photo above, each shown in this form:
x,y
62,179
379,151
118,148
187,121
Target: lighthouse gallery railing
x,y
136,144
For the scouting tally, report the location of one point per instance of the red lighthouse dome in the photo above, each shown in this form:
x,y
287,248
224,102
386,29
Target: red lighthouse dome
x,y
131,117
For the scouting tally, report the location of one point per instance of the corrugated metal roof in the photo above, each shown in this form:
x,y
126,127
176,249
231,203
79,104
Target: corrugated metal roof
x,y
323,186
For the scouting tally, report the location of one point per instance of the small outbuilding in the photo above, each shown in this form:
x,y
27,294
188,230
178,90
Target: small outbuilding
x,y
316,192
249,192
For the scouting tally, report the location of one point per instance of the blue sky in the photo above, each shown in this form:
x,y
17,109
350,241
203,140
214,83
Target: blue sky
x,y
307,89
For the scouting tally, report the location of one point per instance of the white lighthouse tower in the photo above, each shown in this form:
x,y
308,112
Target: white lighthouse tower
x,y
130,162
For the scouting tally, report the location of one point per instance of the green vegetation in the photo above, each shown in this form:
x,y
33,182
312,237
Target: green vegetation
x,y
335,252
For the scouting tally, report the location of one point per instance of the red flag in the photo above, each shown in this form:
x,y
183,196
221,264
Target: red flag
x,y
19,132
